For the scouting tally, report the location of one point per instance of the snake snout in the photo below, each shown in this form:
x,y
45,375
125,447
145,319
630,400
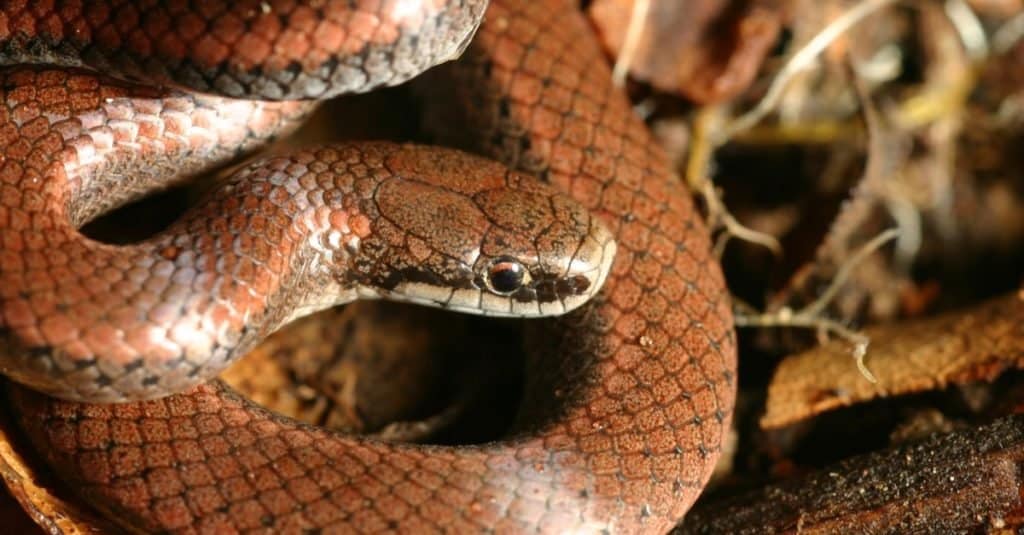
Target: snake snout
x,y
592,262
546,256
514,289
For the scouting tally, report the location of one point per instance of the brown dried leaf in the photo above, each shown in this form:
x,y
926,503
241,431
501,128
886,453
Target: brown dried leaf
x,y
954,348
709,50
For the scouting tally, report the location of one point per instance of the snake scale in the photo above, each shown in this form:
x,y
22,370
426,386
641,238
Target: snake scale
x,y
628,396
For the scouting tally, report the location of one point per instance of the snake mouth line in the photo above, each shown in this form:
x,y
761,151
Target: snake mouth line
x,y
482,302
540,291
485,303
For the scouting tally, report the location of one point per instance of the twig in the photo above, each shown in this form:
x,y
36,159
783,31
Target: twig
x,y
698,172
785,318
915,111
699,161
809,132
885,66
800,61
819,304
881,170
969,28
718,213
934,102
810,316
421,430
1009,34
885,154
631,42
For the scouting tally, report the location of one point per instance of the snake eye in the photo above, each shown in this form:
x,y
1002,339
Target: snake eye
x,y
506,275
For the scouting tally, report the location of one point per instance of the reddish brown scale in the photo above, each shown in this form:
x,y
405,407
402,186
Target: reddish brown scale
x,y
271,49
627,401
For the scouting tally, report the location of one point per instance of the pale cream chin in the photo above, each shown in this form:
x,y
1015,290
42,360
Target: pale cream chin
x,y
469,301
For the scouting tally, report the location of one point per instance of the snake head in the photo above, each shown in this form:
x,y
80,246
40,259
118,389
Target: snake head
x,y
464,233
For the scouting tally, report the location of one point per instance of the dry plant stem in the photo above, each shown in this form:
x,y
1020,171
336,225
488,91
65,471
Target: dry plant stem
x,y
706,138
935,114
916,111
801,60
706,122
425,429
887,153
810,315
632,42
884,66
818,305
969,28
698,173
719,217
885,156
1007,35
858,208
421,430
935,101
809,132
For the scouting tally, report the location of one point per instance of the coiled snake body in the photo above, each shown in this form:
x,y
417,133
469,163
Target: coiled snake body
x,y
628,396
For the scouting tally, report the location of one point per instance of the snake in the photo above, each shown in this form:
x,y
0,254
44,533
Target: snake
x,y
630,386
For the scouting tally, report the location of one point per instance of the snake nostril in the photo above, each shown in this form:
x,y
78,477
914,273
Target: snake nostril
x,y
576,285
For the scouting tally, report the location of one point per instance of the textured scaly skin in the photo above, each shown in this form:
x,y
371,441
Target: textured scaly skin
x,y
269,49
627,402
